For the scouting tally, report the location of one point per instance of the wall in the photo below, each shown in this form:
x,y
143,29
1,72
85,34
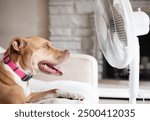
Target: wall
x,y
143,4
71,26
23,18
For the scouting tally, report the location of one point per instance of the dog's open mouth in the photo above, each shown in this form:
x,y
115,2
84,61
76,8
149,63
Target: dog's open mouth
x,y
49,68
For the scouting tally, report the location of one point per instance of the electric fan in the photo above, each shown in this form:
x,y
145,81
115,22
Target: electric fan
x,y
117,28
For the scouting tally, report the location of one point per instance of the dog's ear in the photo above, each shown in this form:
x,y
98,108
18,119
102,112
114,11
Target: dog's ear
x,y
18,44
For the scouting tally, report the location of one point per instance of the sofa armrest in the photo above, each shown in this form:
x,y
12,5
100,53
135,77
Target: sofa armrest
x,y
79,67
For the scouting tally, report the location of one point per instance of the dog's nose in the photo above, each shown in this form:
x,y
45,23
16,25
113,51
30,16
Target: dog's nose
x,y
66,52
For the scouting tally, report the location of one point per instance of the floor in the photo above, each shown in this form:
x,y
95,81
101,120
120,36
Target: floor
x,y
116,92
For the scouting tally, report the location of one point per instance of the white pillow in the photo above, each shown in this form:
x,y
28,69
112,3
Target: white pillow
x,y
2,50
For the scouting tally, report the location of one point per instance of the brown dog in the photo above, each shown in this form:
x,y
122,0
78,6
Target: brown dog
x,y
25,57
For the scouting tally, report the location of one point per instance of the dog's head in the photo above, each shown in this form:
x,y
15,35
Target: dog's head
x,y
34,54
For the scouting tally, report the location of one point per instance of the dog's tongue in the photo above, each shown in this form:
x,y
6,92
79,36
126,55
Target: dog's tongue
x,y
60,69
55,70
47,68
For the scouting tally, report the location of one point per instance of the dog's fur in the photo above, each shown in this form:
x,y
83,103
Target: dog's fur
x,y
27,53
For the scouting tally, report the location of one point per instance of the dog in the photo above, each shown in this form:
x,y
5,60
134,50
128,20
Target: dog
x,y
25,57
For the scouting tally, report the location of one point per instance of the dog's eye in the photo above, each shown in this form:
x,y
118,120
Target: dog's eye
x,y
46,46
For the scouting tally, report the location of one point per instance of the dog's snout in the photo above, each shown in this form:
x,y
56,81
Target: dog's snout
x,y
66,52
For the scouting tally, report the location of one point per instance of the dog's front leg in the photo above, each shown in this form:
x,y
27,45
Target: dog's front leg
x,y
34,97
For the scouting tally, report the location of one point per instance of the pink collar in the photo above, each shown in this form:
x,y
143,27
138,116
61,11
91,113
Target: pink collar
x,y
7,60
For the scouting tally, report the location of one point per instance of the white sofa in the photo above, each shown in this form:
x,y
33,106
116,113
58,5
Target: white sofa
x,y
80,76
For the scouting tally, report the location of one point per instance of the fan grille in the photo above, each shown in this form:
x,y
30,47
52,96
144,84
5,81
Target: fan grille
x,y
116,46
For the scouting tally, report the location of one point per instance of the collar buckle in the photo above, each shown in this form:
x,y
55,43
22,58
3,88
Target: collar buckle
x,y
26,78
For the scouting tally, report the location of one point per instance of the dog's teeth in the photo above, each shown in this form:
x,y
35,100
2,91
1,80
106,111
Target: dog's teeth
x,y
45,66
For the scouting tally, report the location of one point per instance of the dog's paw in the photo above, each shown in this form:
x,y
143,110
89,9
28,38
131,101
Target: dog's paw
x,y
69,95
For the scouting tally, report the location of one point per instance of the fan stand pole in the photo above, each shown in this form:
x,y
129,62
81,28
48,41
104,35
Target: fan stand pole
x,y
134,77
